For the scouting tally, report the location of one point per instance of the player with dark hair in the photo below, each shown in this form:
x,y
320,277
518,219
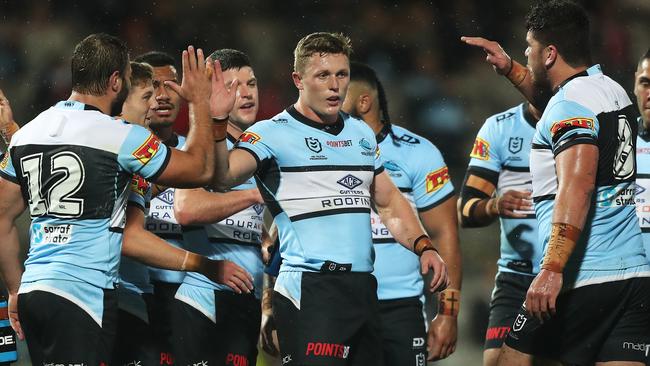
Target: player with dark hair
x,y
642,93
212,322
417,168
318,170
71,165
589,302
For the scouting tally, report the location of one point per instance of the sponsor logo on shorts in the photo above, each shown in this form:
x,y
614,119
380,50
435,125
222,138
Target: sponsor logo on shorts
x,y
286,359
496,333
481,149
418,342
519,322
249,137
7,340
420,359
51,234
64,364
166,358
134,363
320,349
201,363
641,347
436,179
147,150
570,124
350,181
236,360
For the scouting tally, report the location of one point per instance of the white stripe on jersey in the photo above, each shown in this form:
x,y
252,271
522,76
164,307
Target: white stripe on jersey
x,y
598,93
542,169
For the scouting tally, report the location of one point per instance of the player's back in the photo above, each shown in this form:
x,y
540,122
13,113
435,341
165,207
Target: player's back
x,y
592,108
74,164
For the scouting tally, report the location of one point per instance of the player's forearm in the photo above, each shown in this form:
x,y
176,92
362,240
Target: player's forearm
x,y
8,130
198,206
199,143
10,264
400,219
222,180
476,205
441,224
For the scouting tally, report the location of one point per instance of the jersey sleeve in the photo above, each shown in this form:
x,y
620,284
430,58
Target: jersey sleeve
x,y
142,153
566,124
139,192
379,162
431,182
7,168
256,140
485,151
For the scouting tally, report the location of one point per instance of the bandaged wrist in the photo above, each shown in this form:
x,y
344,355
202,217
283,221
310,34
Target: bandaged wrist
x,y
422,244
449,302
517,73
560,246
8,131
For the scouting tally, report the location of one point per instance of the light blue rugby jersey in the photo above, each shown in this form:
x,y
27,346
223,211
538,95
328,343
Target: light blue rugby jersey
x,y
417,168
502,146
237,238
161,221
643,184
316,179
74,165
134,276
590,108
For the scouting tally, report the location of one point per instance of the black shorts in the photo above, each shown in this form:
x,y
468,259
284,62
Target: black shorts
x,y
231,340
135,344
403,332
337,323
595,323
60,332
160,313
507,297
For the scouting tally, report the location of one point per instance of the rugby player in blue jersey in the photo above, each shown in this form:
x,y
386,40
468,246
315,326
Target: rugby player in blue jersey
x,y
642,93
211,322
417,168
498,185
589,303
71,165
318,170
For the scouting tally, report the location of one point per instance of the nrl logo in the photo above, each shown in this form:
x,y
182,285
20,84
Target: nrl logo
x,y
313,144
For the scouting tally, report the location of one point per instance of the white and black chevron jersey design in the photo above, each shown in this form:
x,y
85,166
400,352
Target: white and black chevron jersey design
x,y
591,108
316,182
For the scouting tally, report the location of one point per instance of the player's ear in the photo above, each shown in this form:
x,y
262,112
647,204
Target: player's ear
x,y
297,80
115,82
550,55
364,103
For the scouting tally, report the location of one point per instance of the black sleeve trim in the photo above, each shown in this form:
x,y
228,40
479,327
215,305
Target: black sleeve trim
x,y
485,173
9,177
162,168
584,139
136,205
379,170
438,202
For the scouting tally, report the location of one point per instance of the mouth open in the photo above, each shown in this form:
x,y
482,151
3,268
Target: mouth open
x,y
164,110
333,100
247,106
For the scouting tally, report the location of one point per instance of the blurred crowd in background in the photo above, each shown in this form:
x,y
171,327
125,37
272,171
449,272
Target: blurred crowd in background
x,y
436,85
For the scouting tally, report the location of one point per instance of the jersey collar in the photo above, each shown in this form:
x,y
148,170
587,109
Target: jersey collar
x,y
72,104
173,141
593,70
333,129
528,117
385,131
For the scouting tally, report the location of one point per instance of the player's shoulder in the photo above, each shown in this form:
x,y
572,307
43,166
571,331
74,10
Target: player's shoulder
x,y
503,119
411,140
358,124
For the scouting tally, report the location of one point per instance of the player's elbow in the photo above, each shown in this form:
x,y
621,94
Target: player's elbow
x,y
183,213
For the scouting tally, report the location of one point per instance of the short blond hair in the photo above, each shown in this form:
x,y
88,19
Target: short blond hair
x,y
322,43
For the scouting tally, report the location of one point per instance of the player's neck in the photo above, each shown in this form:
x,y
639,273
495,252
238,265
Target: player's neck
x,y
374,122
561,72
164,133
102,102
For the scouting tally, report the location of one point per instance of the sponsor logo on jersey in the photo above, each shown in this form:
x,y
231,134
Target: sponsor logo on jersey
x,y
643,150
436,179
481,149
339,143
167,196
5,160
139,185
147,150
409,139
391,166
571,123
367,147
249,137
313,144
321,349
501,117
515,144
51,234
280,120
259,208
616,196
350,181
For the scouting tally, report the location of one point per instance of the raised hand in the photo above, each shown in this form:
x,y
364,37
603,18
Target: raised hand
x,y
196,85
496,56
223,96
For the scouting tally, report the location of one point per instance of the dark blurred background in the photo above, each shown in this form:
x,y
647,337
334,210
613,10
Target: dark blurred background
x,y
436,85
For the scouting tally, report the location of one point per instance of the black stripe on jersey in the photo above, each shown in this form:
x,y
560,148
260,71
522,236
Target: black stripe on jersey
x,y
379,170
540,147
326,168
228,241
405,190
639,175
162,167
384,241
645,229
169,236
437,203
335,211
333,129
485,173
521,169
136,205
546,197
9,177
116,229
578,139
